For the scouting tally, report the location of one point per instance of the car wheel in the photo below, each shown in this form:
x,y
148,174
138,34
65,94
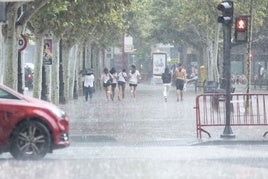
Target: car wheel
x,y
30,141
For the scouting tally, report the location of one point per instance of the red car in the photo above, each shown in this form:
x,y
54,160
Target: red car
x,y
30,128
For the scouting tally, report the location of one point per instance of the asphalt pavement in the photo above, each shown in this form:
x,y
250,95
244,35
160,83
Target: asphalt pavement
x,y
144,138
146,119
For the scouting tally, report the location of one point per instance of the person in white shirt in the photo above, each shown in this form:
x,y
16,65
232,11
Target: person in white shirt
x,y
89,85
134,77
122,78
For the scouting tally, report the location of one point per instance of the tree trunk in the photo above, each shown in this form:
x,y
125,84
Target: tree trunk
x,y
66,71
37,82
11,60
98,65
88,56
215,54
55,71
79,67
2,57
72,71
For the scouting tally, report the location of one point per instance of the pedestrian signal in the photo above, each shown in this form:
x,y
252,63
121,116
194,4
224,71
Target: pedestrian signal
x,y
241,24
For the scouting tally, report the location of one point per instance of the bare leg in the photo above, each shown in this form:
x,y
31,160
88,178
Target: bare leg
x,y
119,92
113,93
134,92
131,91
109,92
123,91
178,94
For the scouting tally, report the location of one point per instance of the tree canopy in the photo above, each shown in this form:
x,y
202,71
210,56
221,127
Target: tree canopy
x,y
177,22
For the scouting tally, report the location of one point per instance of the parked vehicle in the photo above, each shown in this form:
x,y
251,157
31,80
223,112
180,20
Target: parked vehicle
x,y
30,128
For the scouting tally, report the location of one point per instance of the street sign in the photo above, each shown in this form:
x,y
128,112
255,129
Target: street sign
x,y
22,43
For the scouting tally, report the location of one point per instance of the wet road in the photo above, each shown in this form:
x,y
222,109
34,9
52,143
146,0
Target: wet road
x,y
150,161
140,138
146,118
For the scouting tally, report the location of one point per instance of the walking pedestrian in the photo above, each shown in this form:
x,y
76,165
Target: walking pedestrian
x,y
122,79
166,78
180,75
114,81
134,78
89,85
106,78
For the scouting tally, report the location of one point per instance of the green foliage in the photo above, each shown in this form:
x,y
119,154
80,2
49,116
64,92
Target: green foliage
x,y
148,21
76,20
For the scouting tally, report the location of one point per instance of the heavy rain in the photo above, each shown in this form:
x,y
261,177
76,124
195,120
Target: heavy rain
x,y
149,89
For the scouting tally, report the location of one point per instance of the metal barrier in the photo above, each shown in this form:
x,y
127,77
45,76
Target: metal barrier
x,y
246,110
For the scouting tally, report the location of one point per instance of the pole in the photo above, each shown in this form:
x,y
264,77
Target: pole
x,y
20,80
249,56
61,85
227,29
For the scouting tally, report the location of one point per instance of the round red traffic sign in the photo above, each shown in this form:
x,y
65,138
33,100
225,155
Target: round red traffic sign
x,y
22,42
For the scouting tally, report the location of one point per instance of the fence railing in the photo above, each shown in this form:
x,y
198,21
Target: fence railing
x,y
246,110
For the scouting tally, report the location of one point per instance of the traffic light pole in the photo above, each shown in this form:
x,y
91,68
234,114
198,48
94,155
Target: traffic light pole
x,y
227,29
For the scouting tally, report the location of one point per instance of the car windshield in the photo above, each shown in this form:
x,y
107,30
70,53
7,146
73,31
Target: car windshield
x,y
6,95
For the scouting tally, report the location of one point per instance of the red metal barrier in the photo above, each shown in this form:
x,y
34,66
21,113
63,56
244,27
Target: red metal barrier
x,y
246,110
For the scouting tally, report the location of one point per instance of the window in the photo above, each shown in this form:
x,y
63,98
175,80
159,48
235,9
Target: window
x,y
5,95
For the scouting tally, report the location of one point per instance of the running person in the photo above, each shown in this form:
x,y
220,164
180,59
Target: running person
x,y
114,81
134,77
180,75
107,83
122,78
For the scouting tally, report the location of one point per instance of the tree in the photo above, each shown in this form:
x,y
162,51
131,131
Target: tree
x,y
71,26
12,30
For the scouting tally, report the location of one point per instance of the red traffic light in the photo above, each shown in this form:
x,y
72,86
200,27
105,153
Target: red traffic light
x,y
241,24
241,28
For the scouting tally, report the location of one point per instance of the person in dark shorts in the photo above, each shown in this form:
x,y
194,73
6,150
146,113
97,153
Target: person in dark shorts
x,y
114,81
122,79
180,75
107,83
134,78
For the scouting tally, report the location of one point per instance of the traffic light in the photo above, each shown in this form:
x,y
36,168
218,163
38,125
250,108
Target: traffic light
x,y
227,8
241,27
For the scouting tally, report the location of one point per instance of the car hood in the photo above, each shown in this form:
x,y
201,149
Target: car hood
x,y
39,102
45,105
34,101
